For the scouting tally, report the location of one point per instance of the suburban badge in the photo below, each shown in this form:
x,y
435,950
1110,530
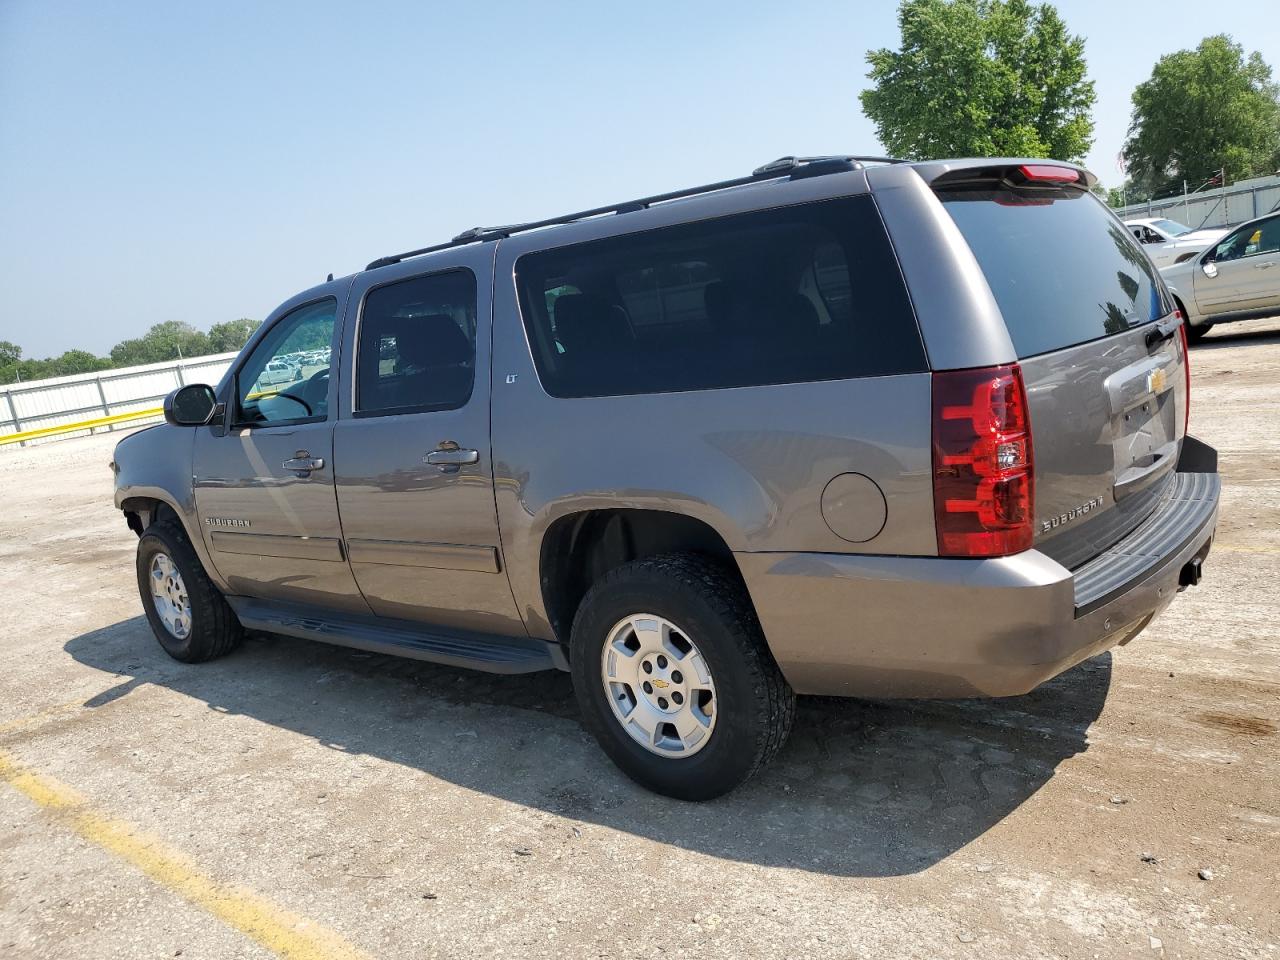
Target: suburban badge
x,y
226,522
1070,515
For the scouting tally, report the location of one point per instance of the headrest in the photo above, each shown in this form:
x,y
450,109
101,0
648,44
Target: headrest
x,y
584,322
801,312
432,341
716,303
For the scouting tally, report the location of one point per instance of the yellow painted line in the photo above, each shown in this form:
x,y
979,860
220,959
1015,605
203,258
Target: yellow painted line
x,y
285,933
35,719
81,425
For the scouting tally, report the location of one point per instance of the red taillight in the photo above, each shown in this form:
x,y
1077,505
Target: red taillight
x,y
1049,173
983,471
1186,371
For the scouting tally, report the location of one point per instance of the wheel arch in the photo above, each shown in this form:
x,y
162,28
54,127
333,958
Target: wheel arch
x,y
143,506
1191,316
580,547
141,512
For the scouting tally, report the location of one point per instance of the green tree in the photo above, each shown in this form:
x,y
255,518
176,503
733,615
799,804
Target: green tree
x,y
78,361
13,368
1202,110
981,78
165,341
232,335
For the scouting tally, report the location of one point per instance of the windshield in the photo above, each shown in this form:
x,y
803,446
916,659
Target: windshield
x,y
1172,227
1062,269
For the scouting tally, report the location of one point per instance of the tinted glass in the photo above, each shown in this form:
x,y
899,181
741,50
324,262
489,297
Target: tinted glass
x,y
1062,269
1250,240
286,377
1173,228
802,293
417,348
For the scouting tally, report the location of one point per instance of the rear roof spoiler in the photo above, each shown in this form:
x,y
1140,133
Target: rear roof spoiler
x,y
937,172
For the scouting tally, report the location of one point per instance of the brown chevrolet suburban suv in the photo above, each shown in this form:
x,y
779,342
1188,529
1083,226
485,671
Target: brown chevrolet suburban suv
x,y
843,426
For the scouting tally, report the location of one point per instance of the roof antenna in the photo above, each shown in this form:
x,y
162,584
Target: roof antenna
x,y
329,278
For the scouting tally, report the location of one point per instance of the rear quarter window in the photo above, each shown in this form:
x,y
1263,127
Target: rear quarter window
x,y
1063,270
803,293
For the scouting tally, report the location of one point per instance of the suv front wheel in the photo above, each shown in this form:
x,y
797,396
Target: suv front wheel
x,y
186,611
674,678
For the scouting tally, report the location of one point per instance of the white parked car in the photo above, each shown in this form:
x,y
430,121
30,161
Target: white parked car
x,y
1167,241
279,371
1236,279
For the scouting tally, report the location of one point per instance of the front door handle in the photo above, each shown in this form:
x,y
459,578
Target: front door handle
x,y
302,463
1264,266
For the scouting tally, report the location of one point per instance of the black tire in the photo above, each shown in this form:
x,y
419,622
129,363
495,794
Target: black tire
x,y
1196,334
754,705
215,631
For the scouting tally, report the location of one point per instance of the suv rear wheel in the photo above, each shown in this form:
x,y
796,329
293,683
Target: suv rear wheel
x,y
674,679
186,611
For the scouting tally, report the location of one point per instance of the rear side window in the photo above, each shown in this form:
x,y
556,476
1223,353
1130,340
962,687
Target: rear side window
x,y
1063,270
417,345
803,293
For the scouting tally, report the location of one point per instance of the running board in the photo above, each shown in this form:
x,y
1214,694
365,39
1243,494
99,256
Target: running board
x,y
402,638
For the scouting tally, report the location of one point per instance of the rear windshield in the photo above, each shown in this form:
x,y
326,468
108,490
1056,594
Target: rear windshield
x,y
810,292
1063,270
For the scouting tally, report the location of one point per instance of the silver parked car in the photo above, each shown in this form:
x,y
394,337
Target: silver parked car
x,y
1238,279
837,427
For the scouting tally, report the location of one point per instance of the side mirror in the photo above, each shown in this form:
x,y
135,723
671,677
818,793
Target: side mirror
x,y
1210,269
190,406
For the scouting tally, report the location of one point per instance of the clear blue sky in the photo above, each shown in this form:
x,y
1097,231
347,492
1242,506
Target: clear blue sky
x,y
204,161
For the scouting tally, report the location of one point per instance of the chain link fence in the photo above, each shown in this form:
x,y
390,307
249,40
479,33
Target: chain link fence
x,y
1215,207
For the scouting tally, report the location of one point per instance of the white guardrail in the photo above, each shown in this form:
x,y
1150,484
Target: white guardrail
x,y
59,403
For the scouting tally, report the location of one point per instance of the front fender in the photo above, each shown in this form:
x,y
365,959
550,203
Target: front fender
x,y
155,464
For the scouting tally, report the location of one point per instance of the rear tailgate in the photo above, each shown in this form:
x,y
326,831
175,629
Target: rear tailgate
x,y
1101,354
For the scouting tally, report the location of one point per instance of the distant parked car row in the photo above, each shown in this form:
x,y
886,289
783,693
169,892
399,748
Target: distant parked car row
x,y
288,367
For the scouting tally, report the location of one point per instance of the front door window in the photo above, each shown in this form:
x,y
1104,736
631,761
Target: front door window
x,y
286,377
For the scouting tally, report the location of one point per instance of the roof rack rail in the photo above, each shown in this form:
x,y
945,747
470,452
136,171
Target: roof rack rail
x,y
795,168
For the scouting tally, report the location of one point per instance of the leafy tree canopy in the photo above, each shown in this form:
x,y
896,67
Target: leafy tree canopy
x,y
981,78
1202,110
232,335
164,341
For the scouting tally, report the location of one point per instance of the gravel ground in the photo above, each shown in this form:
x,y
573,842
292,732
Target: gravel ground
x,y
405,810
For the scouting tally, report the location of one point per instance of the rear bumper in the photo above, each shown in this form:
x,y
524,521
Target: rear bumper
x,y
875,626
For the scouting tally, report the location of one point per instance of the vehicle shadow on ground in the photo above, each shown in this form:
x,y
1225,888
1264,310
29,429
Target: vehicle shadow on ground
x,y
862,788
1229,336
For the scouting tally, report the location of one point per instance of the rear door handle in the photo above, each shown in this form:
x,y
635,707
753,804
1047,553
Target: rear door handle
x,y
451,458
1264,266
302,463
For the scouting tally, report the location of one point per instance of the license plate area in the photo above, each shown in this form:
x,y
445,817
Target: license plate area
x,y
1145,440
